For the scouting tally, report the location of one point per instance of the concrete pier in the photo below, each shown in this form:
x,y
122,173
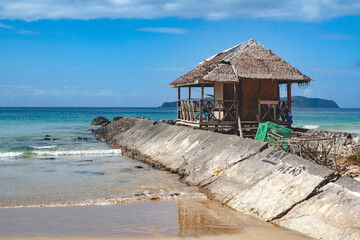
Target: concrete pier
x,y
246,175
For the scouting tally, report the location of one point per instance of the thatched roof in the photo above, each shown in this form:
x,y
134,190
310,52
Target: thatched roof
x,y
249,60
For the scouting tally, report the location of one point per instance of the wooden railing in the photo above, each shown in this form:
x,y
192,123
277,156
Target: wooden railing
x,y
272,110
226,111
199,111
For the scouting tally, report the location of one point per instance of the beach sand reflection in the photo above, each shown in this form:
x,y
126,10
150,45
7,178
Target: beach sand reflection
x,y
191,218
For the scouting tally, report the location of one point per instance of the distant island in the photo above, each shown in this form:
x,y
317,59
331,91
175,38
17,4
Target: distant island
x,y
304,102
168,104
299,102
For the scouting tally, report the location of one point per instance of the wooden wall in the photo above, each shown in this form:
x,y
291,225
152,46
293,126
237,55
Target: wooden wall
x,y
269,90
250,96
219,91
229,91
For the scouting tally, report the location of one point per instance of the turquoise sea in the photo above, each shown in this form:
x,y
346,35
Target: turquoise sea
x,y
332,119
65,171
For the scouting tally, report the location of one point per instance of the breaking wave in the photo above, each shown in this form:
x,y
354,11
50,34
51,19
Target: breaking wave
x,y
10,154
13,154
44,147
311,126
79,152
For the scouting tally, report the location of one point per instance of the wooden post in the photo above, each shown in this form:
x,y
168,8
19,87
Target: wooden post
x,y
187,110
178,104
189,106
278,98
192,111
237,111
289,95
234,92
201,104
274,113
202,92
259,97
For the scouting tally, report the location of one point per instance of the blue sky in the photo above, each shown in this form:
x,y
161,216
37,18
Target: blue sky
x,y
125,53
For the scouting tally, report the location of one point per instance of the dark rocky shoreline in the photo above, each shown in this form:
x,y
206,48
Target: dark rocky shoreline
x,y
346,144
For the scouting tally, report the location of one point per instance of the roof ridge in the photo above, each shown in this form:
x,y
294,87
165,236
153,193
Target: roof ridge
x,y
259,63
240,48
215,55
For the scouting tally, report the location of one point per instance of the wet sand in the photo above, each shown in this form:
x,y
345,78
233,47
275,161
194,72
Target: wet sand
x,y
84,180
190,218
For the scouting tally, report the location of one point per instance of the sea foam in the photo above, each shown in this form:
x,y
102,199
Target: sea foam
x,y
43,147
10,154
79,152
107,201
310,126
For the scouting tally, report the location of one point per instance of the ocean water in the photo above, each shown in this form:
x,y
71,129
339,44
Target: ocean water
x,y
64,171
341,119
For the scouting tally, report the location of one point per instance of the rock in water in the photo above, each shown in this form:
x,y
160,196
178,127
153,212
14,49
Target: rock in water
x,y
100,121
47,138
108,132
117,118
81,139
171,122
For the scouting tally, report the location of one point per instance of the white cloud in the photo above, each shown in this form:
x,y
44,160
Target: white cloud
x,y
4,26
301,10
104,93
29,90
164,30
10,28
8,86
26,32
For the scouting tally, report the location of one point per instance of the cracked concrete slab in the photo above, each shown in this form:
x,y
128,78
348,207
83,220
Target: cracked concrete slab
x,y
244,175
194,153
332,214
220,155
268,184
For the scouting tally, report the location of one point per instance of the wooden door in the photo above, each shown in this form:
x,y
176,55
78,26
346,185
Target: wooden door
x,y
249,99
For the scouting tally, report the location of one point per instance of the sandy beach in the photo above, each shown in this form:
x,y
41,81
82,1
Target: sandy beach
x,y
193,219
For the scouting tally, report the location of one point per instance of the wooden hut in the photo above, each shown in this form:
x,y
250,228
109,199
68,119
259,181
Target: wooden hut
x,y
245,80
